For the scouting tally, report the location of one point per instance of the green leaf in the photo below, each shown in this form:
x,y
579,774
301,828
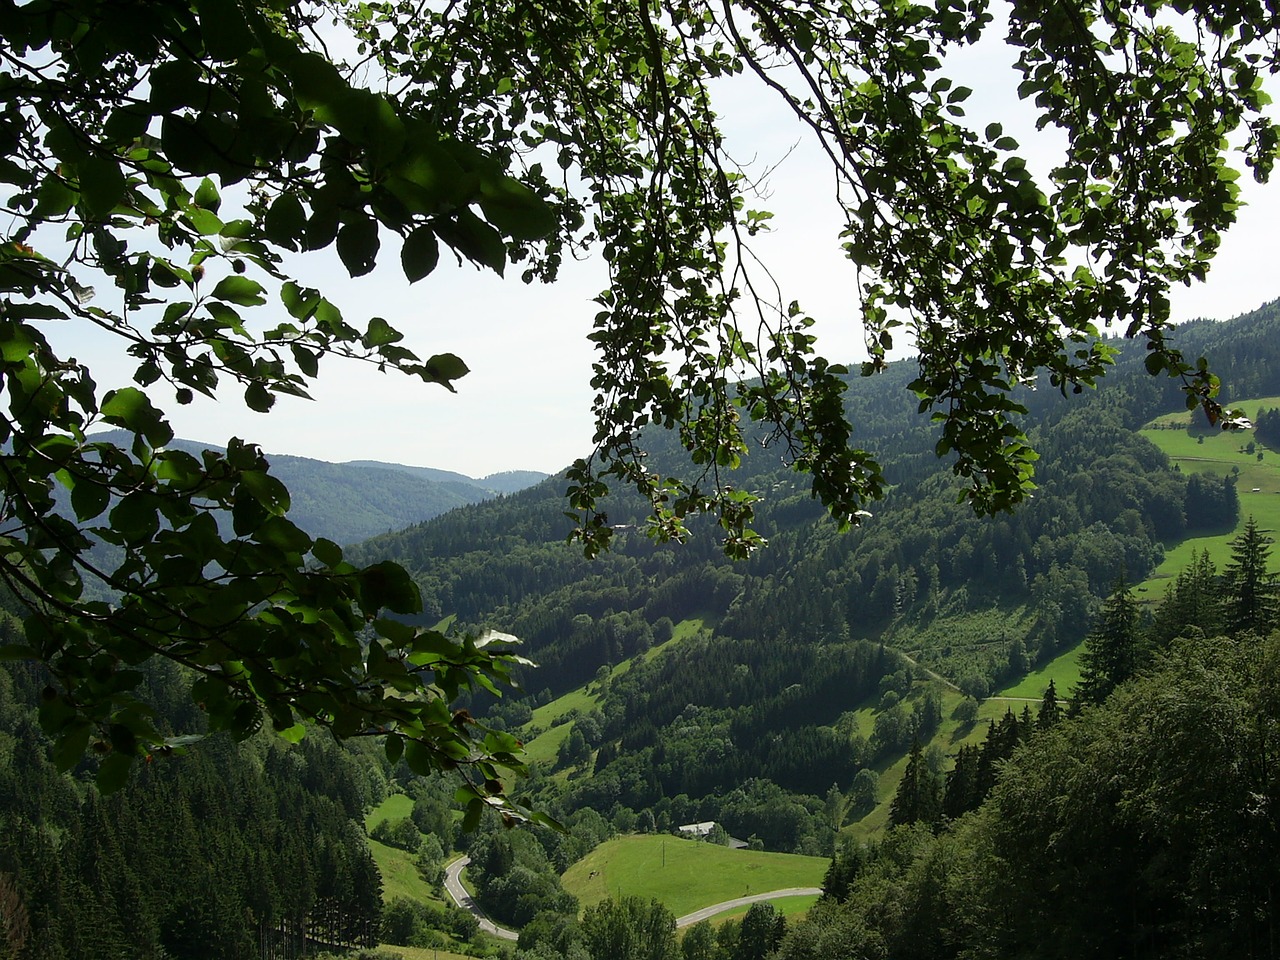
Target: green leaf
x,y
240,290
101,184
258,398
136,517
420,254
113,772
130,408
417,757
445,367
223,28
380,332
327,552
475,240
184,147
394,747
358,245
266,490
286,222
89,499
284,534
515,209
388,585
207,195
70,747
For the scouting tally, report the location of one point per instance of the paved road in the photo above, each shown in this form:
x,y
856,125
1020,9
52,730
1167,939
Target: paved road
x,y
691,918
453,885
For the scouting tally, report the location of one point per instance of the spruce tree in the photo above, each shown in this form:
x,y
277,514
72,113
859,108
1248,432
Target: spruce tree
x,y
1111,648
1193,601
1250,586
962,785
917,799
1050,713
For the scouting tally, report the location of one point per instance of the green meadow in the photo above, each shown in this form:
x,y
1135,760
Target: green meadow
x,y
400,877
1063,670
685,875
1217,453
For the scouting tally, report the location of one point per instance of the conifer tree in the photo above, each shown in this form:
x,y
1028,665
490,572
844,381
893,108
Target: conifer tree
x,y
1194,600
1050,713
1251,602
917,799
962,784
1111,648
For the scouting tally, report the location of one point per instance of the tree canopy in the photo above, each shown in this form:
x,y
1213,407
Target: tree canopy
x,y
163,162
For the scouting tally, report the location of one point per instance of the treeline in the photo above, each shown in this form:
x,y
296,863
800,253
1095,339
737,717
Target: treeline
x,y
231,852
632,928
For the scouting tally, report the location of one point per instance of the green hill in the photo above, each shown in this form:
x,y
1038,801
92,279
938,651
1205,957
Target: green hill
x,y
685,875
349,502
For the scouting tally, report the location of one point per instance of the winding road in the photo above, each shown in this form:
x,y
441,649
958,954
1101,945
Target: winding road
x,y
453,886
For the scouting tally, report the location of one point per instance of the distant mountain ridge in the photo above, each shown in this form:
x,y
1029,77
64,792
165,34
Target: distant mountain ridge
x,y
352,501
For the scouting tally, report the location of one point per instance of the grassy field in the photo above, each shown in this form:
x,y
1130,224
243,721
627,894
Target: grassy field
x,y
685,875
400,878
951,736
421,953
1064,671
395,807
1258,486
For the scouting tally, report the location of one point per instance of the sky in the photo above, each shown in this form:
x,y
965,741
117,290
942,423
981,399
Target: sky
x,y
526,402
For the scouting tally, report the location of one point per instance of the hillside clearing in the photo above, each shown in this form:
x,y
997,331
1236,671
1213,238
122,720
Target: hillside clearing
x,y
685,875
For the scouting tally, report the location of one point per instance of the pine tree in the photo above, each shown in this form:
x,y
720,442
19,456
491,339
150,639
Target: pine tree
x,y
1194,601
1251,605
962,784
917,799
1050,713
1111,649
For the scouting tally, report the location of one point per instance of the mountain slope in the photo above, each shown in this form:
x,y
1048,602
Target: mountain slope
x,y
800,684
349,502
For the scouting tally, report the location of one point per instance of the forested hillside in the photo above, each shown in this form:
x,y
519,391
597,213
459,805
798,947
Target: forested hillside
x,y
753,720
230,851
347,502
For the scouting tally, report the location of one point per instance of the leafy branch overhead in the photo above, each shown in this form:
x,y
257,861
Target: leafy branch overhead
x,y
163,161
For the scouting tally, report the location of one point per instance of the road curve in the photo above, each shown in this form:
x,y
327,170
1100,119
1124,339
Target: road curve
x,y
706,912
453,886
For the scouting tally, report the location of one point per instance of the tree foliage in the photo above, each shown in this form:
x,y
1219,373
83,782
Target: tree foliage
x,y
162,160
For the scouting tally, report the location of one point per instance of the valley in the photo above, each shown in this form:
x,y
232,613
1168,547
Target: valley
x,y
864,713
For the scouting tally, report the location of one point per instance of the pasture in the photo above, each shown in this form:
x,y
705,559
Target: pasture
x,y
685,875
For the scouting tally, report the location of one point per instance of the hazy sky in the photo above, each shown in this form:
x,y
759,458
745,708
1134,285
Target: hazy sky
x,y
525,404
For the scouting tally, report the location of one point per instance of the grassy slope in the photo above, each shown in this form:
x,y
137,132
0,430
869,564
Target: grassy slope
x,y
421,953
544,746
1063,670
395,807
1258,487
692,875
400,877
